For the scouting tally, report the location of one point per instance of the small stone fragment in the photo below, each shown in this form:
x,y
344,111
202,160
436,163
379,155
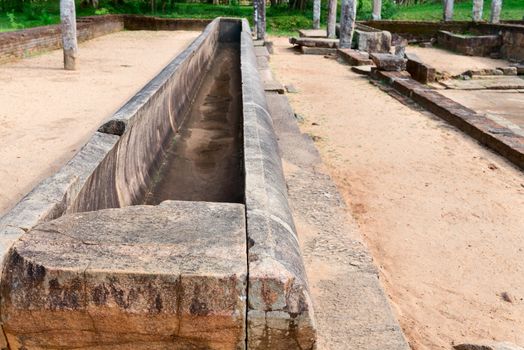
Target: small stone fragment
x,y
505,295
488,346
508,70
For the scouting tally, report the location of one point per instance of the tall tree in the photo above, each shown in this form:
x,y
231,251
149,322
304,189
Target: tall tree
x,y
68,27
377,10
496,8
316,14
478,7
332,19
448,10
255,17
348,15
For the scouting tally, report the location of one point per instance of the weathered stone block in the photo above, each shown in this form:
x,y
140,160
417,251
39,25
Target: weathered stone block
x,y
389,62
171,276
480,45
372,41
354,58
421,72
315,42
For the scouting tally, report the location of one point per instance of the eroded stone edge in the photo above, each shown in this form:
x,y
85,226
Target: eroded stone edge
x,y
280,311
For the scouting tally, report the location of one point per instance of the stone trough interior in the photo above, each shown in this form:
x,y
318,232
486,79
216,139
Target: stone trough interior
x,y
169,229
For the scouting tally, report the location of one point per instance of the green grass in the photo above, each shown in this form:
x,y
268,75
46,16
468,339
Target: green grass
x,y
511,9
280,20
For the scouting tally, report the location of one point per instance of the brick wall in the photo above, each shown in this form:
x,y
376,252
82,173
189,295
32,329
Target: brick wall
x,y
28,42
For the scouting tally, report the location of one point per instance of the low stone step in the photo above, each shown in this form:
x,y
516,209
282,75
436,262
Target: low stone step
x,y
168,276
389,62
315,42
354,57
487,82
312,33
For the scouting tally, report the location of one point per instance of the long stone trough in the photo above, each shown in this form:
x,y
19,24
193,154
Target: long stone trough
x,y
171,228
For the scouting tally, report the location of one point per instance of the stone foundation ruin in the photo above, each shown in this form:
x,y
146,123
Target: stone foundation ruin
x,y
87,264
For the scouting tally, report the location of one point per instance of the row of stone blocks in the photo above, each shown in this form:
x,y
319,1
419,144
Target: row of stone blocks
x,y
180,275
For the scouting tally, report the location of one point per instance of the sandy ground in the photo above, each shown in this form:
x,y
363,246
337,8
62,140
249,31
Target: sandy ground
x,y
441,215
47,114
504,106
453,63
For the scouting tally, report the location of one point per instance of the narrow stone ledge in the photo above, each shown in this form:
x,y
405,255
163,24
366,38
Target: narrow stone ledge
x,y
168,276
280,312
53,195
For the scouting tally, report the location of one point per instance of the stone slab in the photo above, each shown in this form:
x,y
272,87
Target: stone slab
x,y
372,41
388,62
315,42
312,33
420,71
317,50
490,82
354,58
364,70
168,276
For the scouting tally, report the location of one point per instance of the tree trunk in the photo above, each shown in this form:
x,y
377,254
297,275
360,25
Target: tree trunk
x,y
261,24
377,10
478,6
316,14
69,43
348,16
332,19
448,10
496,7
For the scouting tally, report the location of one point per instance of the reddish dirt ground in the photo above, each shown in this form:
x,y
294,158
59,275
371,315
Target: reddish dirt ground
x,y
47,114
442,215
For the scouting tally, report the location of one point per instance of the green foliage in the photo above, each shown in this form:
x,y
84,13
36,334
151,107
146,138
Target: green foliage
x,y
13,23
281,19
365,8
102,11
432,11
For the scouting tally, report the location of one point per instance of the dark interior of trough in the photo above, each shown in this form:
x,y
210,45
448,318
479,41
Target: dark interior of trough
x,y
203,161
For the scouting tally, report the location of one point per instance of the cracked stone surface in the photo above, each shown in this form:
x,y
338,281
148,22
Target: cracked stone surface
x,y
171,276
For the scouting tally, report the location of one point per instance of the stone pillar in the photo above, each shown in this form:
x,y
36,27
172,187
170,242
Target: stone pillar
x,y
332,19
348,16
478,6
316,14
448,10
377,10
261,22
69,43
496,7
255,17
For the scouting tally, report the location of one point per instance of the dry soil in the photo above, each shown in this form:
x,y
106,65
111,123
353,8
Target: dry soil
x,y
47,114
442,215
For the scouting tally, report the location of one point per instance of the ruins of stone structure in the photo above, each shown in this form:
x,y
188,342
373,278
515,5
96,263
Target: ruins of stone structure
x,y
95,268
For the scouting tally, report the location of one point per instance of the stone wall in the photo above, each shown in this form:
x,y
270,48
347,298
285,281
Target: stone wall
x,y
511,33
28,42
479,45
145,124
280,311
